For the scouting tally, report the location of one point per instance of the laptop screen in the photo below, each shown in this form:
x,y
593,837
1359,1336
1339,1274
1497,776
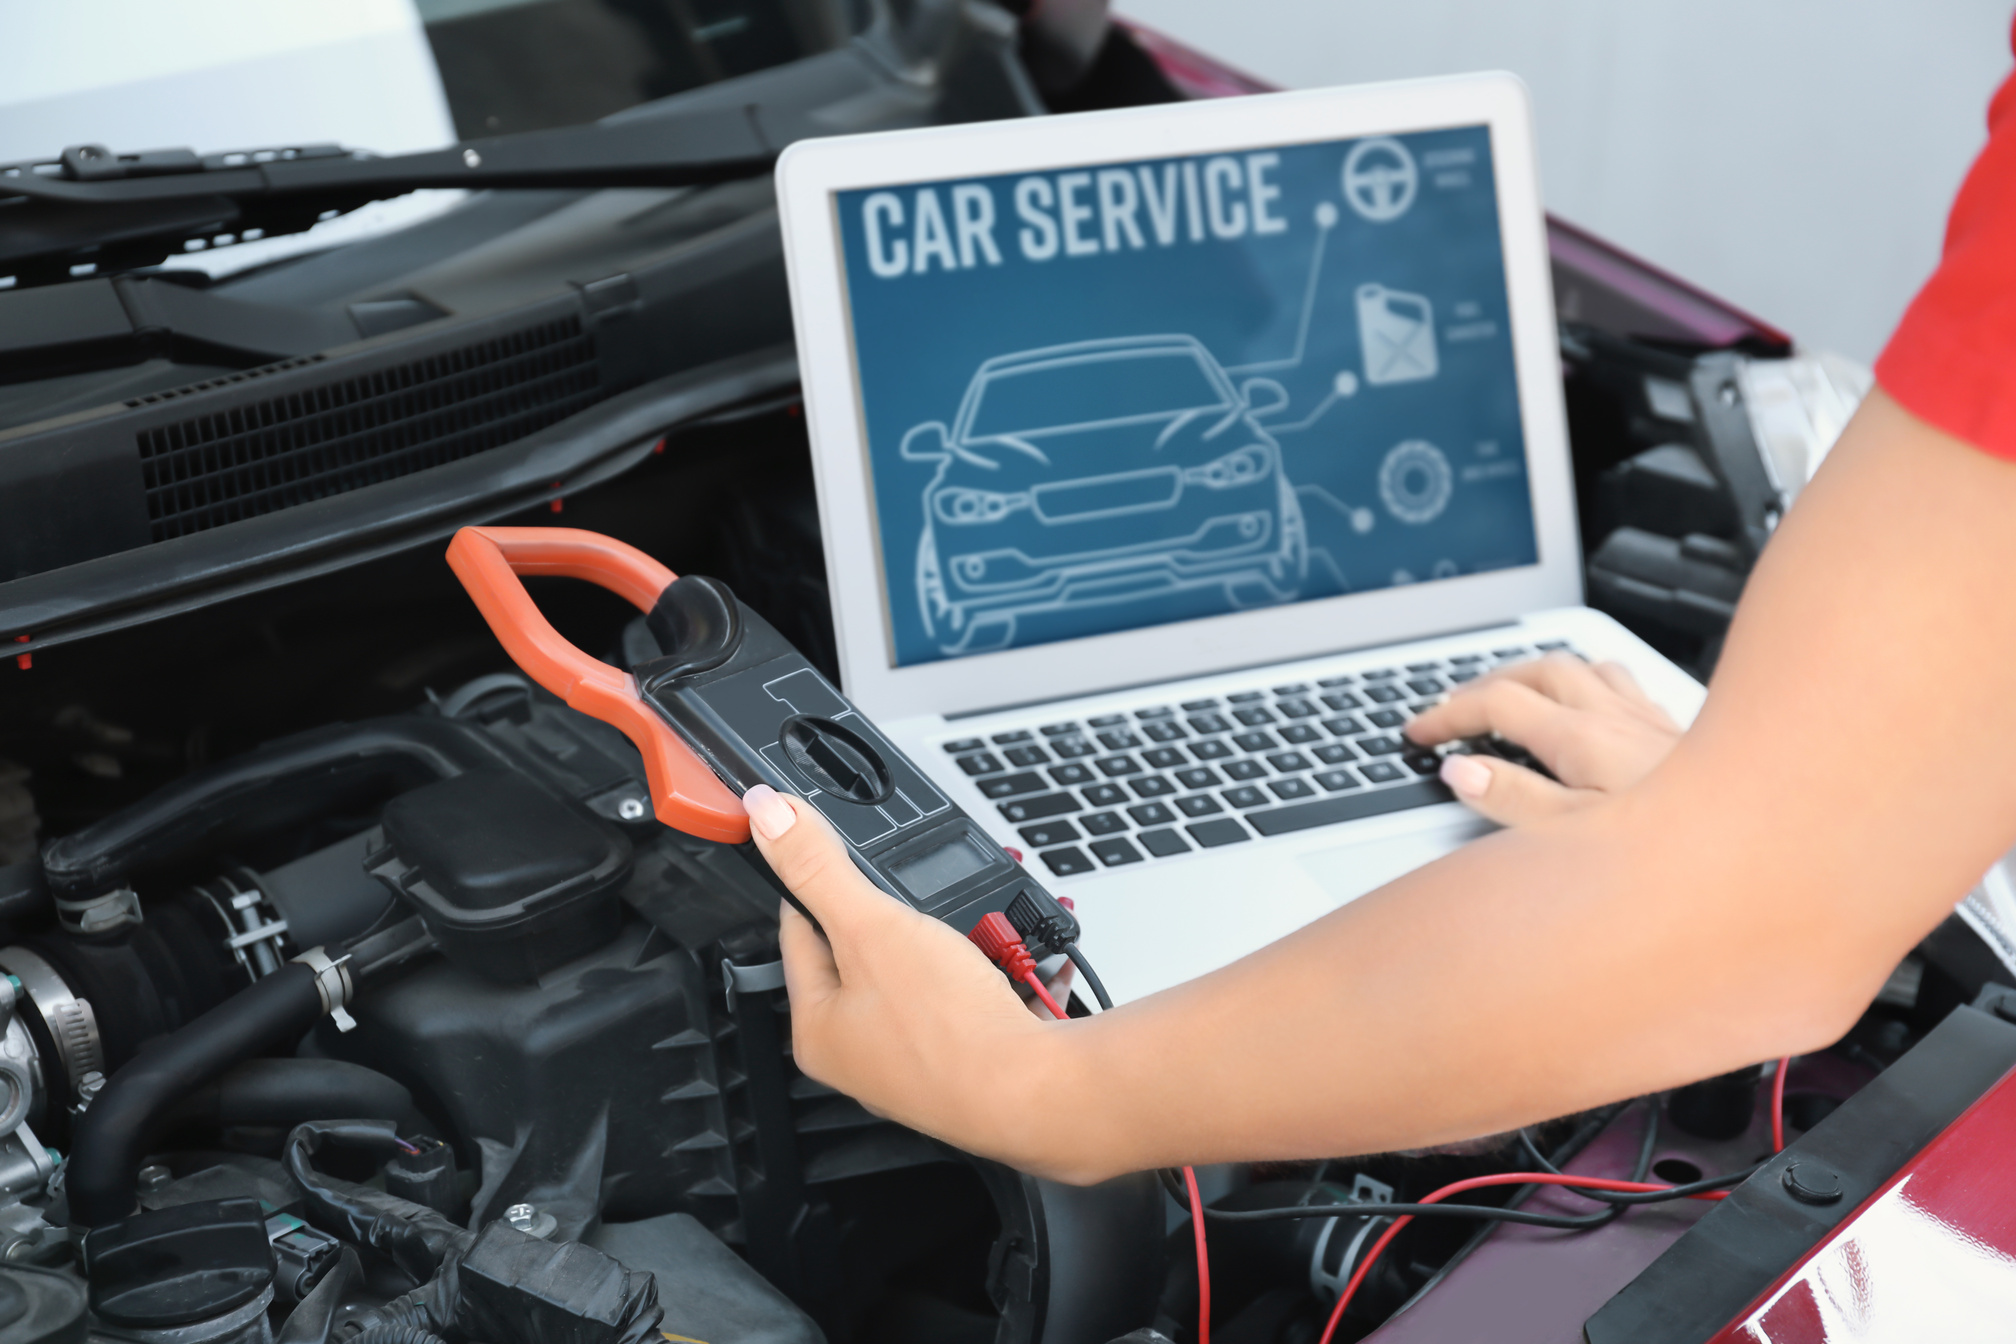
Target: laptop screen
x,y
1108,397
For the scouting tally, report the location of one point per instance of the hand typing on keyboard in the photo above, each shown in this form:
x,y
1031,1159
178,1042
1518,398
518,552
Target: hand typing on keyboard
x,y
1590,725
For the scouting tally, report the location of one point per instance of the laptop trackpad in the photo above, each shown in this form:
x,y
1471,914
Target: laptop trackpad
x,y
1348,871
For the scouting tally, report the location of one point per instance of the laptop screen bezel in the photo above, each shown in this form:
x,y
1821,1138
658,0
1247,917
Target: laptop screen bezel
x,y
812,173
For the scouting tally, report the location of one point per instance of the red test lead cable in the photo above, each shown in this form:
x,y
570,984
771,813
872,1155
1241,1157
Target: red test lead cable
x,y
1477,1183
1778,1105
996,937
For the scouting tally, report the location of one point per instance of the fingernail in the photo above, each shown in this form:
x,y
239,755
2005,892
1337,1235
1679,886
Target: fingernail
x,y
1467,775
769,815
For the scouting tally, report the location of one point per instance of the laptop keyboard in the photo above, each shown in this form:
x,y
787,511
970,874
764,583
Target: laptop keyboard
x,y
1171,779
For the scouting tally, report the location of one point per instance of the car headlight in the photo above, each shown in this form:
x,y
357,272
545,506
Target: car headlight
x,y
1242,467
963,505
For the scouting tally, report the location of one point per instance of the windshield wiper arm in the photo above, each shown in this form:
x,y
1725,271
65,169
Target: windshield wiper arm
x,y
92,205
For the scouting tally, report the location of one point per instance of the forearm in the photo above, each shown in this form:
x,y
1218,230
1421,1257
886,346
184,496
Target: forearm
x,y
1744,900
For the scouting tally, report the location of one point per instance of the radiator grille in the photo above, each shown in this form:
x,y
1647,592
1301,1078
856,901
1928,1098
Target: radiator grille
x,y
266,456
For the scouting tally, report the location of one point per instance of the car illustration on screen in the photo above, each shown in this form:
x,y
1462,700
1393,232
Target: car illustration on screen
x,y
1098,474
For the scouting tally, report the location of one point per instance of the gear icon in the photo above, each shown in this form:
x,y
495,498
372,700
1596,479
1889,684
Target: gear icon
x,y
1415,482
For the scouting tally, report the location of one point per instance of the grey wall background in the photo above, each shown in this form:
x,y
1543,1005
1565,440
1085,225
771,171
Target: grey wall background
x,y
1795,157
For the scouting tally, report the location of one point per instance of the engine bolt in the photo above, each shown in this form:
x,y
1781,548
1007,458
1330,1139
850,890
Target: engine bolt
x,y
528,1219
631,809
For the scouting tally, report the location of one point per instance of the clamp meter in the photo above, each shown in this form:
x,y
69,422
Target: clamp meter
x,y
729,704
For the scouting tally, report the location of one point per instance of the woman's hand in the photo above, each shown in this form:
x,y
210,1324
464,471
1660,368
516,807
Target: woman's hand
x,y
894,1008
1591,725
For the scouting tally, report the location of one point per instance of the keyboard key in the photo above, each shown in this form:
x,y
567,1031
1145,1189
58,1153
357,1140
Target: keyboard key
x,y
1047,833
1330,753
1151,786
1382,674
1506,655
1344,727
1200,704
1426,686
1105,795
1019,735
1291,788
1119,739
1038,809
1107,720
983,764
1244,770
1385,695
963,745
1027,756
1165,758
1423,762
1067,862
1462,674
1163,732
1072,747
1386,718
1342,700
1245,697
1333,780
1113,766
1253,716
1288,762
1058,729
1256,742
1432,666
1205,724
1007,786
1343,679
1381,746
1299,733
1550,645
1467,659
1071,774
1158,712
1163,844
1198,805
1114,852
1151,814
1213,750
1348,807
1297,709
1102,823
1211,834
1297,689
1245,796
1423,707
1382,772
1197,777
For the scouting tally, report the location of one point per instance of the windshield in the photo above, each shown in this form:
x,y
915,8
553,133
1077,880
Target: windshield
x,y
526,65
1092,390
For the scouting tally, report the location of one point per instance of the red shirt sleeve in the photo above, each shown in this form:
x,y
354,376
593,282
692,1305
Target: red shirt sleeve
x,y
1952,360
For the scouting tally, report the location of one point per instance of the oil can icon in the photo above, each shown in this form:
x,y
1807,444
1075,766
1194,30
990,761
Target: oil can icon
x,y
1396,331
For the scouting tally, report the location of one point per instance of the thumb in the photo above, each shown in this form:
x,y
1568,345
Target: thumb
x,y
810,859
1509,794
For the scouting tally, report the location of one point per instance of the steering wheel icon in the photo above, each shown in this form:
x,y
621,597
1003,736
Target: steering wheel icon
x,y
1380,179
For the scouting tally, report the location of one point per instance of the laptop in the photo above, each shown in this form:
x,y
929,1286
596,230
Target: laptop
x,y
1169,460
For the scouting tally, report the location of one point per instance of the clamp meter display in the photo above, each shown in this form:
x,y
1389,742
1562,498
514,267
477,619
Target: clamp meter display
x,y
729,704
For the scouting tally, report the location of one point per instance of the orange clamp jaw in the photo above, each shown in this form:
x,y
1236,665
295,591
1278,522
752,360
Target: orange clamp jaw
x,y
685,794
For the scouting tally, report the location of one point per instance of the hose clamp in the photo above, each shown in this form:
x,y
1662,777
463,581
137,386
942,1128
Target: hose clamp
x,y
332,982
72,1026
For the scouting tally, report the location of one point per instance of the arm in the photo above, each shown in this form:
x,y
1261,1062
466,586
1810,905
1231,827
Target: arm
x,y
1843,787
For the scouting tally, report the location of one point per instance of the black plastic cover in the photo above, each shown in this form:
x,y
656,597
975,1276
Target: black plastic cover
x,y
510,880
178,1265
40,1307
518,1289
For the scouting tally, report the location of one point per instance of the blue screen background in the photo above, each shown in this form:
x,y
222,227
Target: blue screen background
x,y
1321,400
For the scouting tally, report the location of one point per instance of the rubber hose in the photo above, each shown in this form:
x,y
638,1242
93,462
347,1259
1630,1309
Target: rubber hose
x,y
189,814
114,1133
285,1092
